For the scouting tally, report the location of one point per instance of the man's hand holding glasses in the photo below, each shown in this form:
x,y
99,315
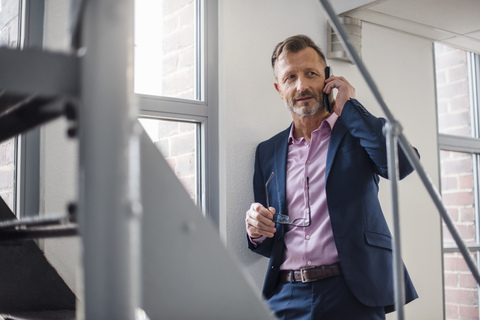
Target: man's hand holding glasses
x,y
260,221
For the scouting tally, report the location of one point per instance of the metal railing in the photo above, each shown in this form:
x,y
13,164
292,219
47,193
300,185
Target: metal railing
x,y
394,136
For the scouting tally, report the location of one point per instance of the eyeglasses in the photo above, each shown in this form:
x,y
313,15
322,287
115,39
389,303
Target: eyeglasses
x,y
284,219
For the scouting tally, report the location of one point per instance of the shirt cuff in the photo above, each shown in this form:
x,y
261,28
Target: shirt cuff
x,y
256,241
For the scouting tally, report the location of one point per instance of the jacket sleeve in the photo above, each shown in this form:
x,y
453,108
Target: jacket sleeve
x,y
369,130
265,247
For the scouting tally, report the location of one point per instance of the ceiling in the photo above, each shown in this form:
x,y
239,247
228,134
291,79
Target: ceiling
x,y
456,22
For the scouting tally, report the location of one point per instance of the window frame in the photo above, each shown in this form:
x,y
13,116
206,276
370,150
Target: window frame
x,y
203,111
28,143
468,145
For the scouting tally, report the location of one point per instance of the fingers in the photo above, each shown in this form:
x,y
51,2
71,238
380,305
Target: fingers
x,y
345,91
258,221
339,83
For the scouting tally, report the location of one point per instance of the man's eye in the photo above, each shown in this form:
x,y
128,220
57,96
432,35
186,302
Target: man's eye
x,y
290,77
311,73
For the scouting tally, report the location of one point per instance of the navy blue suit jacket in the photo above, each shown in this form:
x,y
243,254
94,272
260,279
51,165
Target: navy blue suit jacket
x,y
356,158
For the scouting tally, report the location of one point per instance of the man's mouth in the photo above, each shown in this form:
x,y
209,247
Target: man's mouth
x,y
302,99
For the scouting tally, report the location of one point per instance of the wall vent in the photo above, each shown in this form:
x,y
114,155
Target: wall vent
x,y
335,49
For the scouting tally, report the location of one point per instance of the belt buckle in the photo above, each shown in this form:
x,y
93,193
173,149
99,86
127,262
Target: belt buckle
x,y
302,274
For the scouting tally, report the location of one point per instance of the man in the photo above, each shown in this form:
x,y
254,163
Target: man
x,y
330,248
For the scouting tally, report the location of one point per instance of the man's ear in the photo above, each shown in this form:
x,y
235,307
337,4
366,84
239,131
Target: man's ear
x,y
278,89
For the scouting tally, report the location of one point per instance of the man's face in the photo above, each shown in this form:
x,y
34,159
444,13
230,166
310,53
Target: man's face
x,y
300,81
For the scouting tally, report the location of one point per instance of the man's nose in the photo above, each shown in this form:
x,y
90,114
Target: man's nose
x,y
301,84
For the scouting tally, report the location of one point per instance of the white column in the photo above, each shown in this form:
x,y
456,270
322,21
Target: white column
x,y
109,208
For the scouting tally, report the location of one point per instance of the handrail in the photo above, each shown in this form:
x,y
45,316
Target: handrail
x,y
394,133
392,130
27,234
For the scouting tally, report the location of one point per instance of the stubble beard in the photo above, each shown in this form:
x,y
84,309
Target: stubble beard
x,y
305,108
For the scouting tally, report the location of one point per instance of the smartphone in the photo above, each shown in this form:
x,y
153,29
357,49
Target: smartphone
x,y
328,99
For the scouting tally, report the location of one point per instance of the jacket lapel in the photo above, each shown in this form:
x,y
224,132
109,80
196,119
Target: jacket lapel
x,y
281,149
280,156
338,132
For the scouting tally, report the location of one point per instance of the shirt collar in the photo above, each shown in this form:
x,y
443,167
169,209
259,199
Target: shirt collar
x,y
331,120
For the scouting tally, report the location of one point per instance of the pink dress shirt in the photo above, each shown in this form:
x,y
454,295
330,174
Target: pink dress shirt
x,y
313,245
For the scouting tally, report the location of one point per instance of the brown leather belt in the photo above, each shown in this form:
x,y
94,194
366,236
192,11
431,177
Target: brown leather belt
x,y
310,274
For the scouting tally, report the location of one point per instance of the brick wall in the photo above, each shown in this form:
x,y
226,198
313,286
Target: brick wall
x,y
452,91
165,66
179,49
8,37
177,143
9,22
461,292
177,140
7,172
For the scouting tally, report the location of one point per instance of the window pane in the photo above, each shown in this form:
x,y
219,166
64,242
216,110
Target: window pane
x,y
9,23
9,13
165,48
453,96
458,195
461,293
7,172
177,141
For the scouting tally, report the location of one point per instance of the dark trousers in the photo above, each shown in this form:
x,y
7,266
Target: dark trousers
x,y
326,299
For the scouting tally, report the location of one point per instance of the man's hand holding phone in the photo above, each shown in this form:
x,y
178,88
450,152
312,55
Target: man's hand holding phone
x,y
345,92
328,98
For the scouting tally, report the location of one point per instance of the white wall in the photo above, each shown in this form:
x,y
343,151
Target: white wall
x,y
251,111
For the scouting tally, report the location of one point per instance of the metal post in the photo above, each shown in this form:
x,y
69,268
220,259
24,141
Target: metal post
x,y
392,130
109,159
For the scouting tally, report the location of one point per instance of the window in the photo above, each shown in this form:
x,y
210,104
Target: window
x,y
457,80
165,49
178,143
9,37
175,44
21,26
